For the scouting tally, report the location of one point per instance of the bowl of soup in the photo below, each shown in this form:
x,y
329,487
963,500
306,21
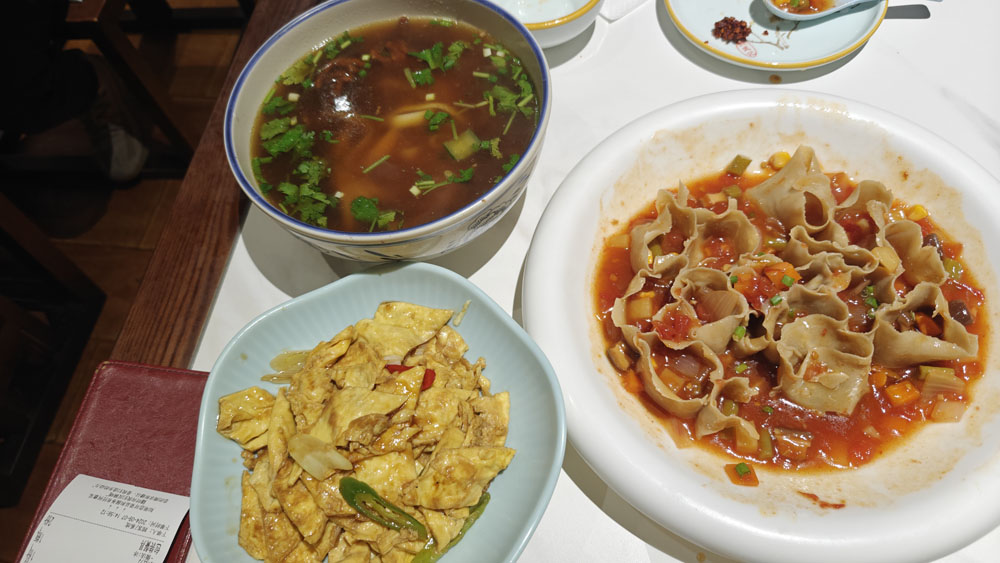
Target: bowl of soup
x,y
380,130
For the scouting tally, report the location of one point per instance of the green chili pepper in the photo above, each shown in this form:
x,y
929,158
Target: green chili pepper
x,y
429,553
365,500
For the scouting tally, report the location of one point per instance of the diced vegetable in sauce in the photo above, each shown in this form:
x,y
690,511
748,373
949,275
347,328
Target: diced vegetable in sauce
x,y
773,315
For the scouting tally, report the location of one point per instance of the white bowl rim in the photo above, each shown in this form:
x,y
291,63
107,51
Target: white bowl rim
x,y
700,523
410,234
576,14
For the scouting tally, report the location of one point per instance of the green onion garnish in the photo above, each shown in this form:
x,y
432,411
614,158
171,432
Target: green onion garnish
x,y
733,279
372,117
741,367
775,300
742,469
374,164
767,409
509,121
788,281
740,332
871,302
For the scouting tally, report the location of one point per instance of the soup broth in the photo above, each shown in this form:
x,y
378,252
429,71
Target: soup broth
x,y
393,125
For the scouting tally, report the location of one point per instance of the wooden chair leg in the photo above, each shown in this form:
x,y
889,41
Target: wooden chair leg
x,y
48,309
143,82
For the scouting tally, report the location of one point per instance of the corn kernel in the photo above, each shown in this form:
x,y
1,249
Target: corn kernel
x,y
778,160
917,212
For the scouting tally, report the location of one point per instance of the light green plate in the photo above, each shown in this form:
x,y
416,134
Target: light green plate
x,y
514,363
775,43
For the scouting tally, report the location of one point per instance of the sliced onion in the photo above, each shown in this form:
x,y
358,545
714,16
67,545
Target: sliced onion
x,y
686,364
939,380
278,378
290,361
670,378
718,304
948,411
318,458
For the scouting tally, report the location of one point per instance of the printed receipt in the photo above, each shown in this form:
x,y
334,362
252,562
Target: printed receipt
x,y
98,520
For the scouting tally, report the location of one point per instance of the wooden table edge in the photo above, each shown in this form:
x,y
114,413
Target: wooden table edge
x,y
176,294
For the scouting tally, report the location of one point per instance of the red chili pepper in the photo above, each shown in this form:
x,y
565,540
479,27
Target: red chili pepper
x,y
428,379
396,368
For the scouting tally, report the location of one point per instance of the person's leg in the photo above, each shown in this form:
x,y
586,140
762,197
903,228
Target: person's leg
x,y
49,86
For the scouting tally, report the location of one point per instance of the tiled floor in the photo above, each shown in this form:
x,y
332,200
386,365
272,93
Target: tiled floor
x,y
115,249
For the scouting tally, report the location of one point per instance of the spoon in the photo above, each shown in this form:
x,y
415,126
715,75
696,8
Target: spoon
x,y
835,6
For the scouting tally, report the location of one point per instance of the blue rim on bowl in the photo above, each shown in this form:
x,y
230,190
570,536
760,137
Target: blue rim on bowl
x,y
415,233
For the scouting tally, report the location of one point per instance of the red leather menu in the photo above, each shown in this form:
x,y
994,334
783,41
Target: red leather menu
x,y
137,425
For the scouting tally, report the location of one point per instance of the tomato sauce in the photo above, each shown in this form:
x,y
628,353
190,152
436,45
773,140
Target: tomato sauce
x,y
878,421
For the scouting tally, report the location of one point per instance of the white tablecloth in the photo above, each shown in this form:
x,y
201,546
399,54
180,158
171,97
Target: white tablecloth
x,y
942,73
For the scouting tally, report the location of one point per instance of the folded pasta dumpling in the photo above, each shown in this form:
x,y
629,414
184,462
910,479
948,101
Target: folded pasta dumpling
x,y
824,366
899,346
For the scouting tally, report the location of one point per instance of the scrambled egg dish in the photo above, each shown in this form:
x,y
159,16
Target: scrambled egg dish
x,y
380,448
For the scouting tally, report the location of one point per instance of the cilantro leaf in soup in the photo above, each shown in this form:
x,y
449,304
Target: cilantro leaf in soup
x,y
433,56
256,164
333,47
511,162
384,218
313,212
277,104
500,63
435,119
285,142
275,127
311,170
298,72
525,86
291,192
454,52
504,99
365,209
423,77
303,144
463,175
492,145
